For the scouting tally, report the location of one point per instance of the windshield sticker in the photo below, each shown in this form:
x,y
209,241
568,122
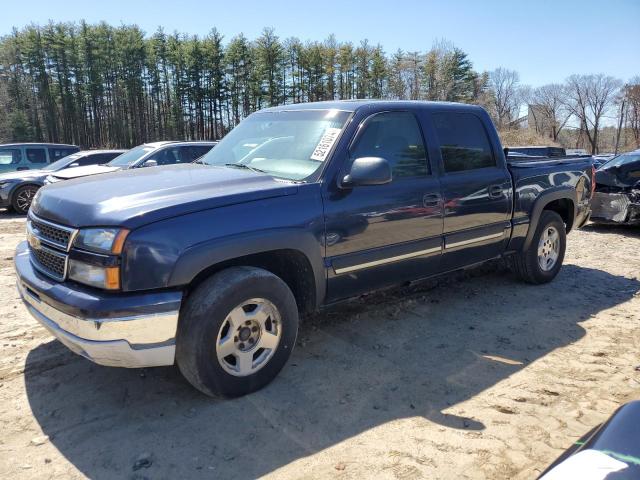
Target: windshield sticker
x,y
324,145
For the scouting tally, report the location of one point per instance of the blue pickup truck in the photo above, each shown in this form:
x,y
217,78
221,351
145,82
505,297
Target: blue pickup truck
x,y
210,265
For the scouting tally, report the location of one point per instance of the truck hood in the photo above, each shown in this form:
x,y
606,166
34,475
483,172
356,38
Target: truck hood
x,y
75,172
132,198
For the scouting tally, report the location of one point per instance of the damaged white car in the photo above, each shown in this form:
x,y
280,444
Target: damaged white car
x,y
617,195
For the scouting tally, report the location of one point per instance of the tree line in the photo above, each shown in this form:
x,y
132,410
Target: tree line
x,y
96,85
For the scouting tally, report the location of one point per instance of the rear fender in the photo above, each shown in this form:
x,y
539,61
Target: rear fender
x,y
545,198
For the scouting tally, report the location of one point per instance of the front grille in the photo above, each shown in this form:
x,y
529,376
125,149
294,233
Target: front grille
x,y
50,262
49,244
58,236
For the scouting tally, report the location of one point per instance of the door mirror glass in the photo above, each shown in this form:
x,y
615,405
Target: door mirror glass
x,y
150,163
368,171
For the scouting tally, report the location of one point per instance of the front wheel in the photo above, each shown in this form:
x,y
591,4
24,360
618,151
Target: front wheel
x,y
542,261
22,198
236,331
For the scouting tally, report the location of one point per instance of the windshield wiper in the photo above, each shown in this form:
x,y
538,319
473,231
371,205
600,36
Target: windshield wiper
x,y
244,166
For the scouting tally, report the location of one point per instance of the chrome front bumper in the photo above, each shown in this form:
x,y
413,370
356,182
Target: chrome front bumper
x,y
131,342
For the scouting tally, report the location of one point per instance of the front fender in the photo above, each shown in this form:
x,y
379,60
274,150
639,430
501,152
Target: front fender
x,y
200,257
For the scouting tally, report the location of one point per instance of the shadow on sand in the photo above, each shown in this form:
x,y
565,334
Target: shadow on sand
x,y
408,352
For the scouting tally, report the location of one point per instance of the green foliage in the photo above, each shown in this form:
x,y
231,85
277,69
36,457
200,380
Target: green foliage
x,y
100,85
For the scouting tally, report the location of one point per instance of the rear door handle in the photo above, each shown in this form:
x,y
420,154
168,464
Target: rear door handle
x,y
431,200
496,191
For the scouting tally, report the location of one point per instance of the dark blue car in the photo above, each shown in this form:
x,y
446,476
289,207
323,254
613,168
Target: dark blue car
x,y
209,265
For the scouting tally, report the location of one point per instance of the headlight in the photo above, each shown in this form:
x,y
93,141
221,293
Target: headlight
x,y
99,247
101,240
50,179
107,278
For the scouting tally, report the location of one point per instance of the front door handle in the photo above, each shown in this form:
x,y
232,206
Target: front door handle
x,y
431,200
496,191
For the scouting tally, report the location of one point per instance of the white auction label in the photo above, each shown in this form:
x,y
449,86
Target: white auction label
x,y
321,151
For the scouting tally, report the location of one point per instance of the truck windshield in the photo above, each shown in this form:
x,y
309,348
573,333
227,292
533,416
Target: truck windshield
x,y
130,157
285,144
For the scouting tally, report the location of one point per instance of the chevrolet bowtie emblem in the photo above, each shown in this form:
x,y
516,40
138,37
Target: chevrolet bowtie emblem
x,y
34,241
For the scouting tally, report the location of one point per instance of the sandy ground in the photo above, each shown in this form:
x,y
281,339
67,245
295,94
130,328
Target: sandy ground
x,y
473,376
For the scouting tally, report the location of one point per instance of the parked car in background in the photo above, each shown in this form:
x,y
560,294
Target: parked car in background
x,y
145,155
576,152
298,207
601,159
27,156
617,195
17,189
536,151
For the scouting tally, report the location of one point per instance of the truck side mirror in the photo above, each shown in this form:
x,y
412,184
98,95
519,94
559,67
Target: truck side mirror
x,y
150,163
368,171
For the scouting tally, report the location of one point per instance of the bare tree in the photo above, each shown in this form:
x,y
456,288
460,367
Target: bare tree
x,y
589,98
632,96
548,107
504,85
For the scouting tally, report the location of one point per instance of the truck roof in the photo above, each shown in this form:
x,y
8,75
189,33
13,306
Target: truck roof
x,y
353,105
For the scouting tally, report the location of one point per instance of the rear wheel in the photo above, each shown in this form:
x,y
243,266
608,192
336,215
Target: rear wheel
x,y
542,261
22,198
236,331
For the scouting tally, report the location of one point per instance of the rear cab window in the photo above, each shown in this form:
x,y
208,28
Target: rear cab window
x,y
464,143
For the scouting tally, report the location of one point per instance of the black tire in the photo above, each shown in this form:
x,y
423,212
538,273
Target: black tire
x,y
203,315
22,197
526,265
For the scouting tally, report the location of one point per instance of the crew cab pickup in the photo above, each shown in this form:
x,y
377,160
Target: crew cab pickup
x,y
210,265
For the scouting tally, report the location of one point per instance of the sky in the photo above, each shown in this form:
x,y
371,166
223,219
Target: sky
x,y
545,41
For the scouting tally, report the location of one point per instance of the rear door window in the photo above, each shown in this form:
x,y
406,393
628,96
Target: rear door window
x,y
36,155
94,159
166,156
464,143
107,157
56,153
10,156
193,152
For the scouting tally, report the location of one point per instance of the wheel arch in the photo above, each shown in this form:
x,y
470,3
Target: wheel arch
x,y
295,257
561,200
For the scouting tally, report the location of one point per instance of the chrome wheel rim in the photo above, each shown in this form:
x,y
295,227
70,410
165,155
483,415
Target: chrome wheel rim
x,y
548,248
24,198
249,337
